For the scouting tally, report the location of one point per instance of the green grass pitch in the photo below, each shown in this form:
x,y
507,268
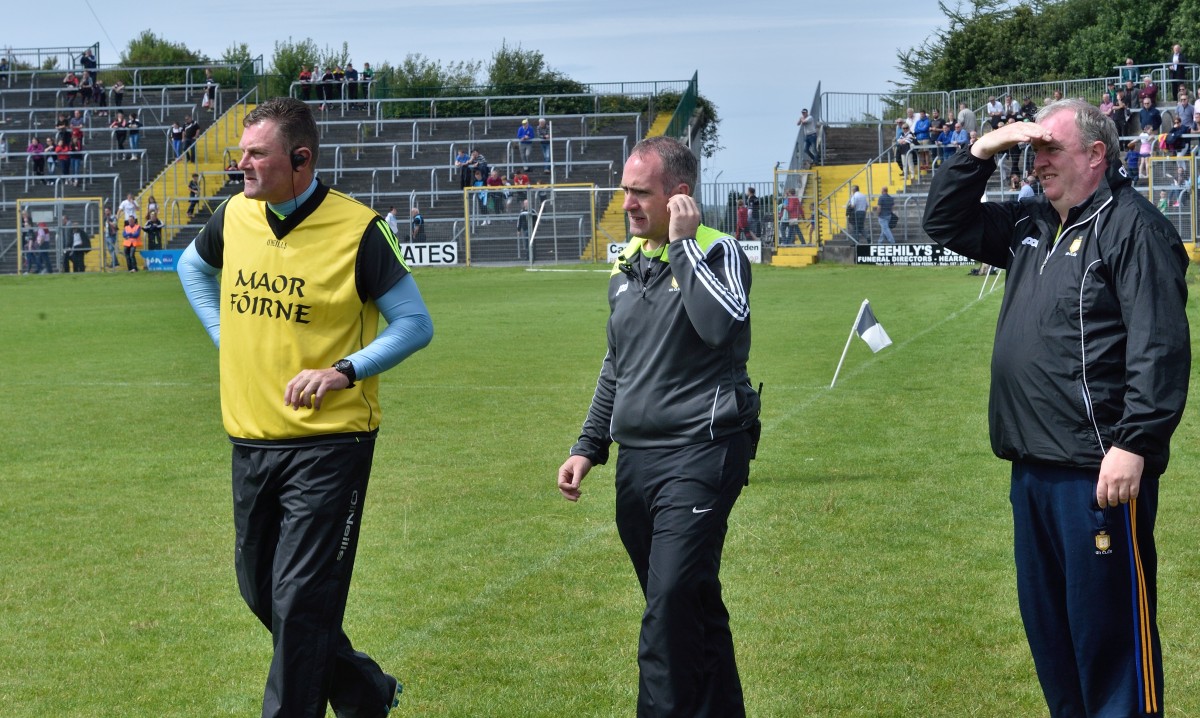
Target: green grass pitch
x,y
868,567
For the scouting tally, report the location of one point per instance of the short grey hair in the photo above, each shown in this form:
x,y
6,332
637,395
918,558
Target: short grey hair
x,y
679,165
1092,124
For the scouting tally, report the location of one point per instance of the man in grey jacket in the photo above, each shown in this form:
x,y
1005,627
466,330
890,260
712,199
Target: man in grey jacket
x,y
674,393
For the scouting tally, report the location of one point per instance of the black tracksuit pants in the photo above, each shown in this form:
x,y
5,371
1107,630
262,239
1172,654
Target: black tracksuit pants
x,y
297,513
1086,587
673,507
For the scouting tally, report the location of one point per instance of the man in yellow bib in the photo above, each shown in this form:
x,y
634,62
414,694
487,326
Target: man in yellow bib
x,y
289,279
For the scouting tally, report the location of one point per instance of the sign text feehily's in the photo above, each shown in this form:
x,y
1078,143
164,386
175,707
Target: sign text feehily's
x,y
909,255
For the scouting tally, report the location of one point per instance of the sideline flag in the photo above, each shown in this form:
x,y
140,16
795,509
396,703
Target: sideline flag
x,y
868,327
870,330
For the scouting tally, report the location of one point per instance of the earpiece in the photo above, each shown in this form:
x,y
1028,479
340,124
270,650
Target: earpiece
x,y
297,161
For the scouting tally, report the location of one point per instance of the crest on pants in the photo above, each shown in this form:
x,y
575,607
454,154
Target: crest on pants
x,y
1103,542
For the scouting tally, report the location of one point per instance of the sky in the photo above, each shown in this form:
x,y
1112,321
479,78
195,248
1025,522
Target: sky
x,y
758,62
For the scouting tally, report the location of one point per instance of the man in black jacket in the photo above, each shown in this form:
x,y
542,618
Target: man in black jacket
x,y
1089,379
674,393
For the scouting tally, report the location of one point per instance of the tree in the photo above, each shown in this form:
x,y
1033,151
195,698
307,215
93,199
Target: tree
x,y
992,42
287,60
149,50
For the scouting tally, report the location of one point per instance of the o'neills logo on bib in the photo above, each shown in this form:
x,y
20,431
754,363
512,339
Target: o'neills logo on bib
x,y
270,295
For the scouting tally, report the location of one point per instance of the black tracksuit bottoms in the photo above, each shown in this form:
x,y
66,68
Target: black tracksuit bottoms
x,y
1087,592
297,513
672,511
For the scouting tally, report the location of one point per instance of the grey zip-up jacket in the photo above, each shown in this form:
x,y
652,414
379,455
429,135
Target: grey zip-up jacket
x,y
1092,347
678,341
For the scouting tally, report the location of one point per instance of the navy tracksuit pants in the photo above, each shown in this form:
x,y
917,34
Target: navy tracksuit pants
x,y
672,510
297,513
1086,588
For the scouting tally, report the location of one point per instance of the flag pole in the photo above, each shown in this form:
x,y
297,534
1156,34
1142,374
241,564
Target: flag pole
x,y
997,279
848,340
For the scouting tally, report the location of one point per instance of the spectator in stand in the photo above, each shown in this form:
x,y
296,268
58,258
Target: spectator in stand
x,y
498,195
327,87
1027,111
543,134
742,229
129,208
4,70
76,125
966,117
193,195
525,140
1149,90
520,179
910,119
88,61
76,158
62,157
1175,142
352,85
176,139
393,221
367,76
232,174
305,83
135,135
118,95
477,162
1133,160
961,137
754,205
210,91
85,89
936,123
70,85
523,224
1145,150
1177,70
883,207
37,157
1012,109
1149,116
100,98
1026,190
464,173
1125,109
120,128
78,246
151,205
110,234
416,226
481,197
858,213
337,91
132,235
791,212
921,131
153,227
809,126
1129,73
62,129
945,142
995,110
39,251
906,151
191,130
1183,110
1106,105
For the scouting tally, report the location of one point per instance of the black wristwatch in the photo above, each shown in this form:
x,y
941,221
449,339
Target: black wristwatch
x,y
346,369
